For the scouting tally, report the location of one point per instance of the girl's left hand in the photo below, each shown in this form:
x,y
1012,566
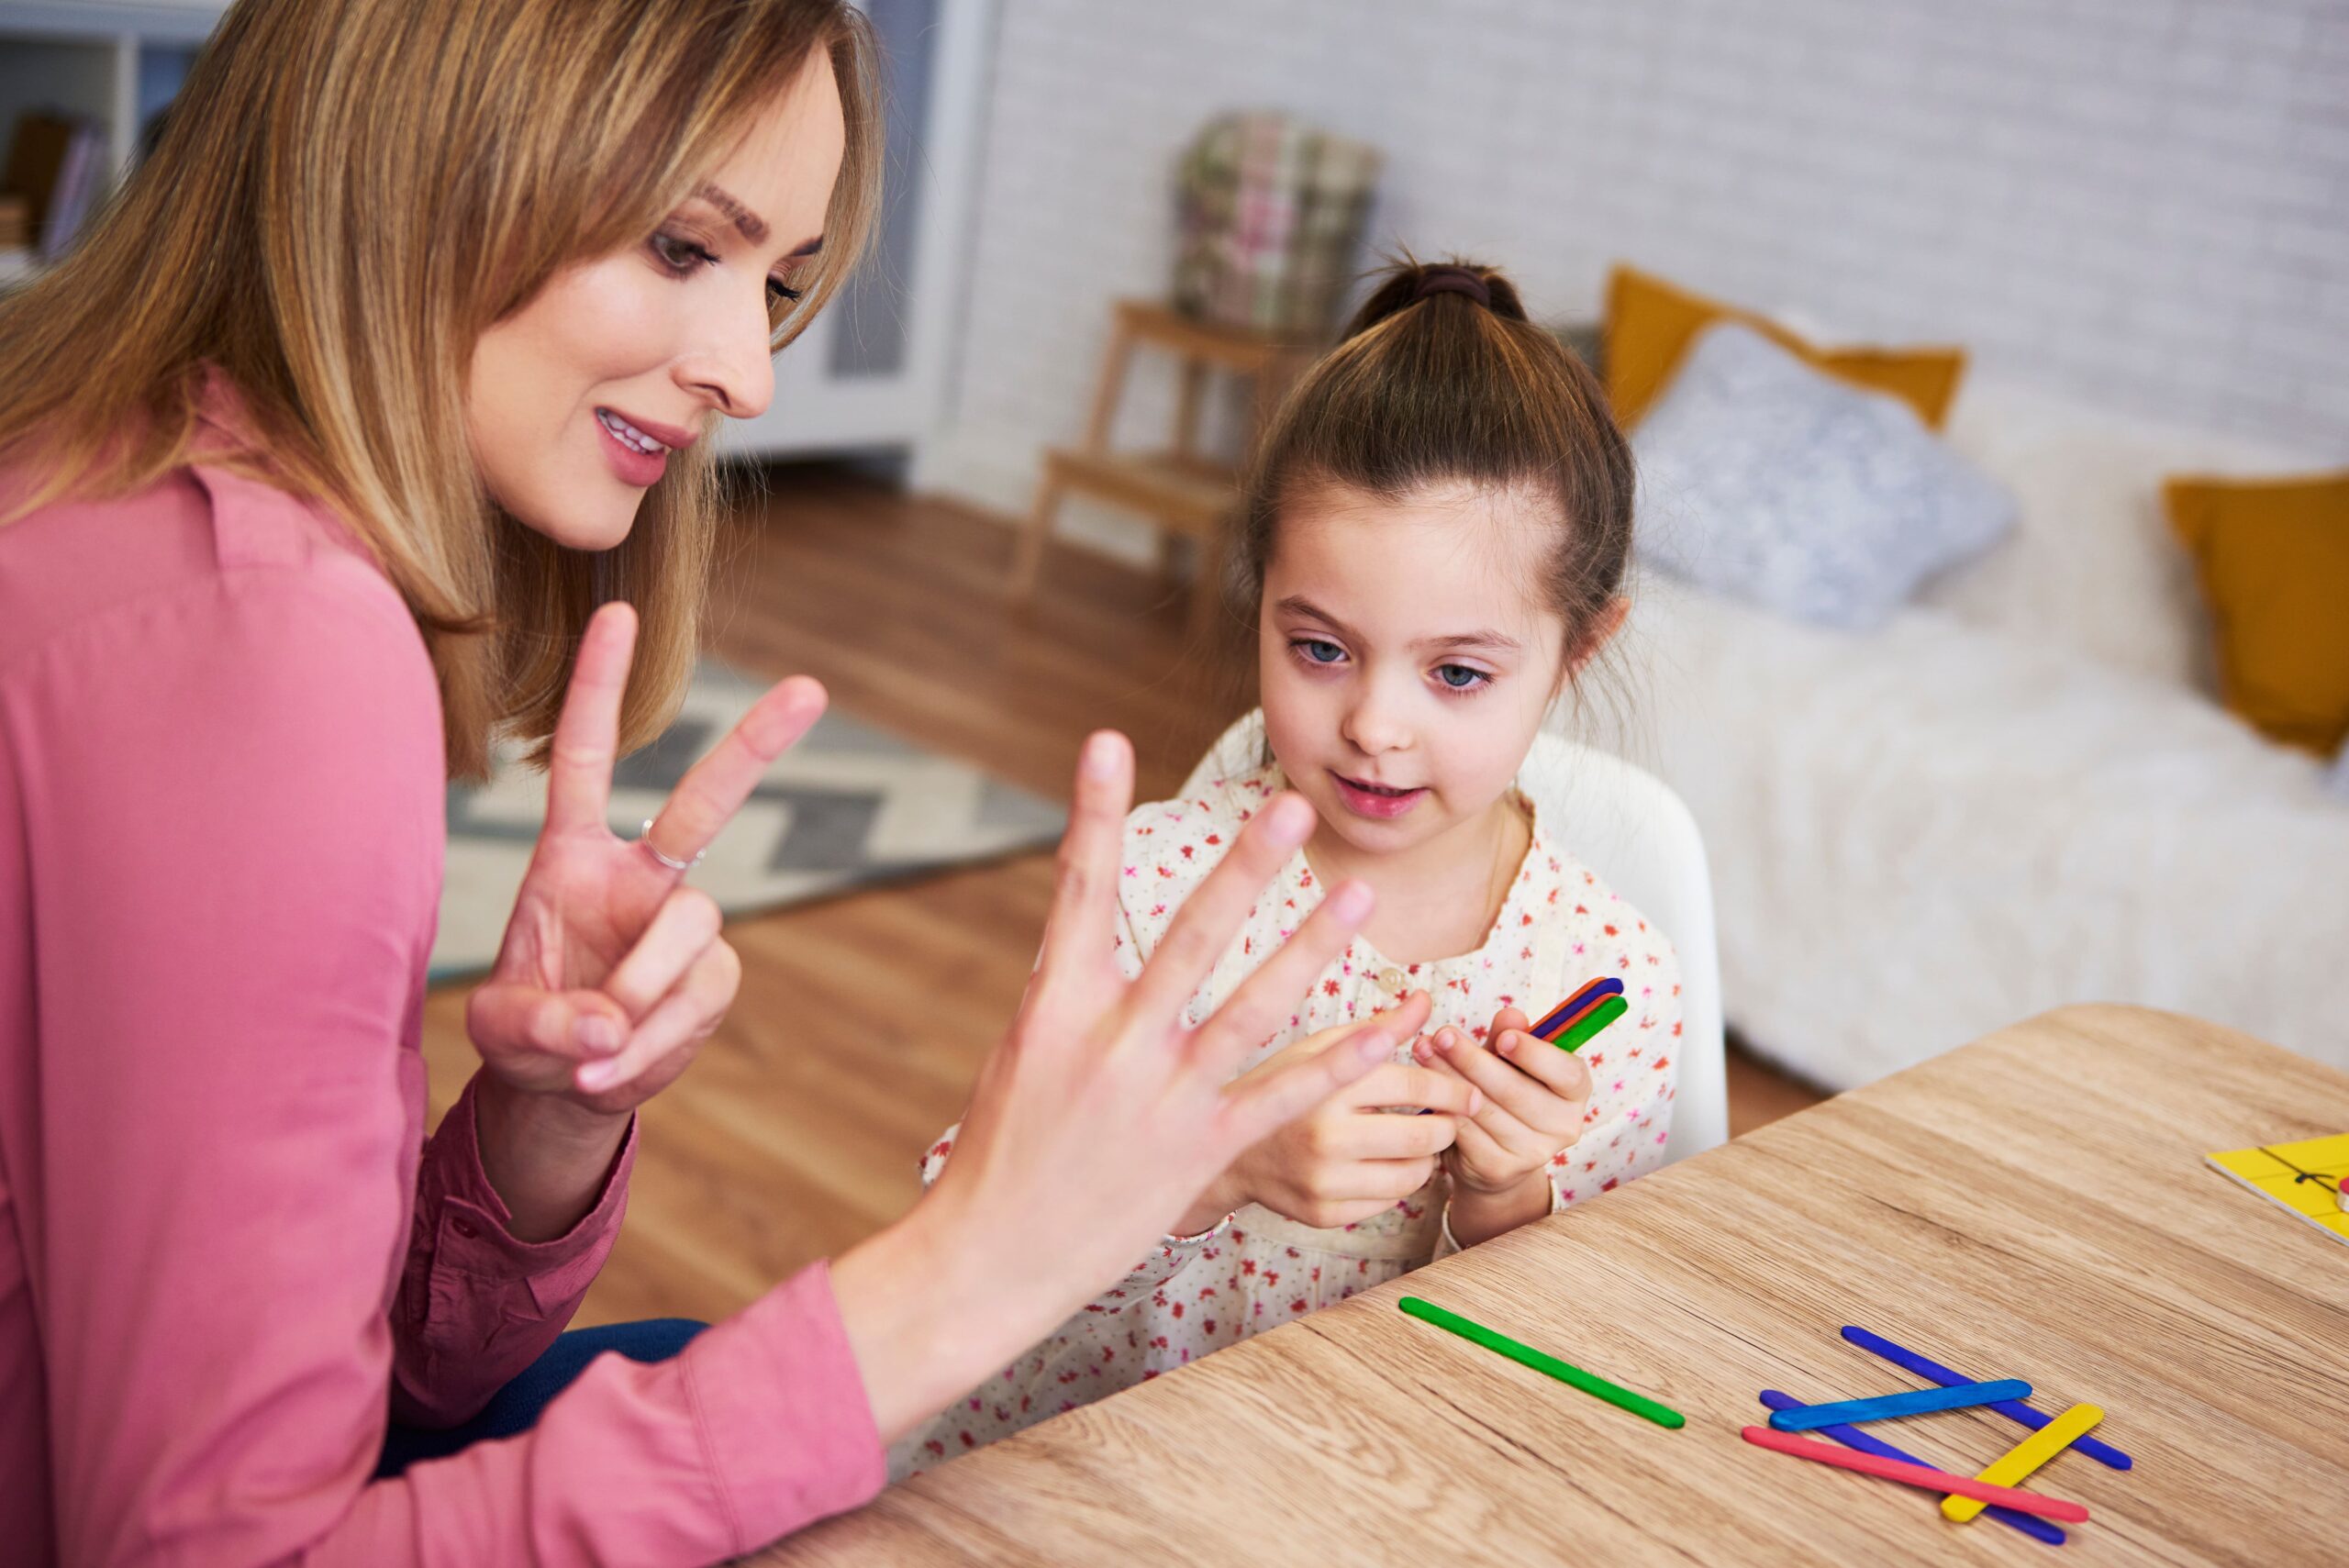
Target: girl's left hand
x,y
1535,1097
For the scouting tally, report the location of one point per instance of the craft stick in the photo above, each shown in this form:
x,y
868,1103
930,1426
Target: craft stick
x,y
1567,1016
1909,1475
1891,1406
1852,1437
1587,1026
2013,1410
1542,1362
2026,1456
1572,1007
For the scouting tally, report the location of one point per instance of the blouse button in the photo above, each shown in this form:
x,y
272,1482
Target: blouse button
x,y
463,1227
1390,979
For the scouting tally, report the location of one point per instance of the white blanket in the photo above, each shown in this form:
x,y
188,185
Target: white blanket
x,y
1925,833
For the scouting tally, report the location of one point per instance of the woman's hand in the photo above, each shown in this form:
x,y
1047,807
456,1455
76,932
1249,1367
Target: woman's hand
x,y
1100,1117
1345,1159
1535,1097
612,973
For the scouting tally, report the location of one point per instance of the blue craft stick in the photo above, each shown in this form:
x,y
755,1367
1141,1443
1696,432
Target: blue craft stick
x,y
1890,1407
2038,1528
2012,1409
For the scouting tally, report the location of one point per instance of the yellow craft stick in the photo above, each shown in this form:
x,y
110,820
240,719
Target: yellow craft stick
x,y
2025,1457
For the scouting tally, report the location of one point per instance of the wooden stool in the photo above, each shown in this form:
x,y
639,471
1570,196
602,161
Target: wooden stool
x,y
1187,495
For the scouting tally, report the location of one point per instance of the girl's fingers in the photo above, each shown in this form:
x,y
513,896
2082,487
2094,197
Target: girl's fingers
x,y
586,734
1212,915
1398,1083
1481,1148
683,1018
1267,999
1563,1073
684,927
504,1018
1523,1098
714,788
1077,933
1396,1137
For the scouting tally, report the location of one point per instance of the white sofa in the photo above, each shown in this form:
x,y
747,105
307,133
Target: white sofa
x,y
2018,793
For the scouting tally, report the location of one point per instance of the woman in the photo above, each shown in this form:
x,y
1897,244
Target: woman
x,y
317,462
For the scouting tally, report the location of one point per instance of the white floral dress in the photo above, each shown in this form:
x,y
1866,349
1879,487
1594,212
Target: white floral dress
x,y
1559,927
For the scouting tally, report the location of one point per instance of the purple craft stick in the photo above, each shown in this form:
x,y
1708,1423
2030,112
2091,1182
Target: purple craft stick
x,y
1852,1437
2013,1409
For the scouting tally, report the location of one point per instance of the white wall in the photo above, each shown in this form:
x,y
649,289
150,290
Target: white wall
x,y
2143,201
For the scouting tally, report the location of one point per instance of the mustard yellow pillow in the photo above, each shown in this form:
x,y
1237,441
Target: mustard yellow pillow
x,y
1650,322
2273,555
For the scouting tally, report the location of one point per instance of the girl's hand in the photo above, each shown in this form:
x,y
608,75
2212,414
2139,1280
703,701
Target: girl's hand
x,y
611,973
1344,1161
1535,1096
1100,1117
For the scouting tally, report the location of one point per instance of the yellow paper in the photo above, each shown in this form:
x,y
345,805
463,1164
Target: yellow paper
x,y
2011,1467
2304,1177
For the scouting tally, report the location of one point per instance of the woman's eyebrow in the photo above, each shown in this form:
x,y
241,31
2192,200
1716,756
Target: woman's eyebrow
x,y
753,227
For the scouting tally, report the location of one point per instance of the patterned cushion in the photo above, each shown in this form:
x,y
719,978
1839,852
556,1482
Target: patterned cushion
x,y
1763,478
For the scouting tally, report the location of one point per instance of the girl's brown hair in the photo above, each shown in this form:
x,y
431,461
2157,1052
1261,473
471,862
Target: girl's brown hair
x,y
1440,378
347,193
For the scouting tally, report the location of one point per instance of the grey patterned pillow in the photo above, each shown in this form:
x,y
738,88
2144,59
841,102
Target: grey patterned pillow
x,y
1765,479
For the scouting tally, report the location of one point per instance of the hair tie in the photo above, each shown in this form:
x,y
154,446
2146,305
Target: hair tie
x,y
1453,280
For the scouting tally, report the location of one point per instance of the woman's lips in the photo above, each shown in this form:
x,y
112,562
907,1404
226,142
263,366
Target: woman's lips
x,y
641,469
1382,802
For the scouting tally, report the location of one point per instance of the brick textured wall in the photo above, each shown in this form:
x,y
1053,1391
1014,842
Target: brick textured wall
x,y
2143,202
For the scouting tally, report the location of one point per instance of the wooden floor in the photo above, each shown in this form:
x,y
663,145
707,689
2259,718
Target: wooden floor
x,y
862,1020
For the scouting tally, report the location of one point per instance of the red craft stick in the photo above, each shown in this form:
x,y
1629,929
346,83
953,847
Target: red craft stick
x,y
1924,1475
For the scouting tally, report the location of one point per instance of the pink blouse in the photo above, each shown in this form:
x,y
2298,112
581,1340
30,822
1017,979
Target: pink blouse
x,y
227,1251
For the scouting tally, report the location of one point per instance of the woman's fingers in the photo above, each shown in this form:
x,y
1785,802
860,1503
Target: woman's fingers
x,y
512,1023
1267,999
586,735
683,1018
685,924
1085,882
1257,1104
714,788
1212,915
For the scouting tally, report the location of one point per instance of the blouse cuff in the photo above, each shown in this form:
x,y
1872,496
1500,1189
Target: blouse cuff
x,y
1173,1255
1447,1244
473,1221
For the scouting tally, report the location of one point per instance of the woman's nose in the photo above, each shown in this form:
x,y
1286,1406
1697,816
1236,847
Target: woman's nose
x,y
731,368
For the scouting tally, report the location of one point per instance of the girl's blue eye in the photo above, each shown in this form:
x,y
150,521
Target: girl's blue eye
x,y
1460,677
1318,652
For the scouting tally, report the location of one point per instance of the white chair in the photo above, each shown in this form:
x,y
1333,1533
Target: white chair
x,y
1628,826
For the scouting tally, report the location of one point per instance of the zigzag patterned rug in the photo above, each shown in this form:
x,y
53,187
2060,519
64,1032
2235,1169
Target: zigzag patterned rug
x,y
850,805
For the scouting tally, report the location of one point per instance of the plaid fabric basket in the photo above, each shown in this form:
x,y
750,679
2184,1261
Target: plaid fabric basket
x,y
1271,213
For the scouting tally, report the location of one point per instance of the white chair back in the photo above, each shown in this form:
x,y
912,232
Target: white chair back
x,y
1628,826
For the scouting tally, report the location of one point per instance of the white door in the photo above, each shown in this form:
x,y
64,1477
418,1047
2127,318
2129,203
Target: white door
x,y
871,371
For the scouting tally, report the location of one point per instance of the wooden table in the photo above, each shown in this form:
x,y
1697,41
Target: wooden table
x,y
2033,1205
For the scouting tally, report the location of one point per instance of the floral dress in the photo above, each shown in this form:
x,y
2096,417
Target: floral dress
x,y
1559,927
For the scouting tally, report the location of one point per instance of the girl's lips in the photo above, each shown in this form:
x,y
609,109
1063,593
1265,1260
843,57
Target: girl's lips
x,y
1374,803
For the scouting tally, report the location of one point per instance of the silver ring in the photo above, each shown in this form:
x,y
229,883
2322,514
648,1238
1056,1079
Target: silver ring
x,y
644,837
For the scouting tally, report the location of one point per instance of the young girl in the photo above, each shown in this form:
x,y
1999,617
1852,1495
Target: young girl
x,y
1434,538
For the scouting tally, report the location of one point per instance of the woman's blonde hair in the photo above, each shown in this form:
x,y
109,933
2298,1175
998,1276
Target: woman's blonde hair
x,y
346,195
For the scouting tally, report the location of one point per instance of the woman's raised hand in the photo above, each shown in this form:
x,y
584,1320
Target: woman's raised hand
x,y
1102,1115
613,972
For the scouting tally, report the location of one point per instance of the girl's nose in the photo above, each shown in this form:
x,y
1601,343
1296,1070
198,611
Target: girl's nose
x,y
1373,727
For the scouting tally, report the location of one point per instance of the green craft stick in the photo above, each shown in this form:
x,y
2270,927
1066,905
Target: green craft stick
x,y
1526,1355
1597,1018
